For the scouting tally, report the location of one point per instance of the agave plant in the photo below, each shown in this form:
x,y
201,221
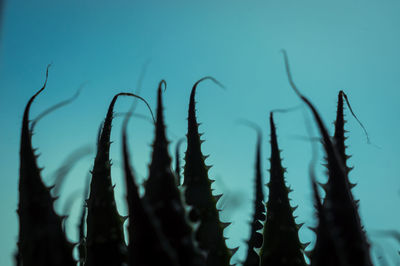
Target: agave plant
x,y
178,224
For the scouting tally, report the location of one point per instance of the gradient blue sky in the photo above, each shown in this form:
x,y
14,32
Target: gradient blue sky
x,y
351,45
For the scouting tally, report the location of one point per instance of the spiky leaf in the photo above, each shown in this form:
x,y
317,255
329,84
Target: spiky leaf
x,y
41,238
340,207
105,238
198,194
281,244
256,238
177,162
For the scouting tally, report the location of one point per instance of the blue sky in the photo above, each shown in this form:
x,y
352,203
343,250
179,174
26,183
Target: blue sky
x,y
349,45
